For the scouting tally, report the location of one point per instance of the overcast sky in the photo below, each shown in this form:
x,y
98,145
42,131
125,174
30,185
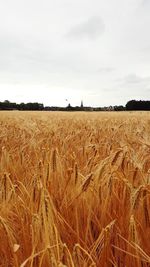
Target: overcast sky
x,y
94,50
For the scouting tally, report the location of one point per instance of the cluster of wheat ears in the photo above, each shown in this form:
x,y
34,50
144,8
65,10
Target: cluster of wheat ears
x,y
74,189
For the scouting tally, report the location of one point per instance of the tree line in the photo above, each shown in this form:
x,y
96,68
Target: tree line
x,y
131,105
7,105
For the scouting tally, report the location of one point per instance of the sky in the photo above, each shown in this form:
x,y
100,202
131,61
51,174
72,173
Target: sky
x,y
63,51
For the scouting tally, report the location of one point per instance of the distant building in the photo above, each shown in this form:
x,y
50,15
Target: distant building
x,y
82,104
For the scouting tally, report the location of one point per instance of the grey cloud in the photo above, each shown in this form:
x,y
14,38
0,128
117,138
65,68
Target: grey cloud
x,y
92,28
135,79
105,70
145,2
135,86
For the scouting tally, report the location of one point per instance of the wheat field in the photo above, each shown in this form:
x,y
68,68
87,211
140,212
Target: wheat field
x,y
74,189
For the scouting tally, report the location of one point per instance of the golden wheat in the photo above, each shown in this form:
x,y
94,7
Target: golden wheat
x,y
74,189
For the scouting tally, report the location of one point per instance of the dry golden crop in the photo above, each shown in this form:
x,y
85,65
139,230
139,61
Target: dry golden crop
x,y
74,189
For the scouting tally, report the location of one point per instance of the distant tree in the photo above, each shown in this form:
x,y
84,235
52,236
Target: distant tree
x,y
119,108
138,105
69,107
21,106
7,105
